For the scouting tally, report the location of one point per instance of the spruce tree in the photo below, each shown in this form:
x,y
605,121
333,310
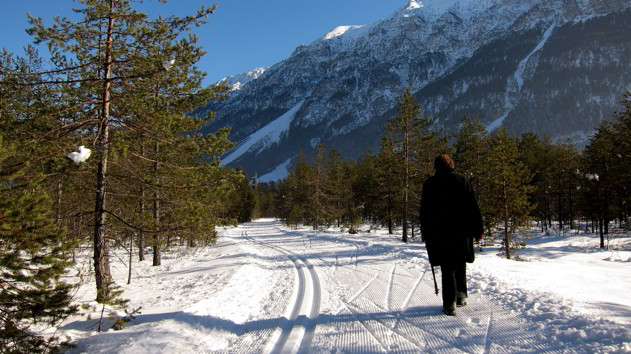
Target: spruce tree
x,y
34,254
34,248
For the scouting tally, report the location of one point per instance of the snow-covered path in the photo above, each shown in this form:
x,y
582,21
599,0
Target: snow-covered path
x,y
379,297
265,288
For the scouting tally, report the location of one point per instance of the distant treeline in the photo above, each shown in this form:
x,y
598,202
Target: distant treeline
x,y
517,180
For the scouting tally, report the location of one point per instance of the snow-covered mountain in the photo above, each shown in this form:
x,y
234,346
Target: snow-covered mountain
x,y
235,82
554,67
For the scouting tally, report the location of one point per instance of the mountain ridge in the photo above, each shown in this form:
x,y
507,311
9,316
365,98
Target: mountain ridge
x,y
475,58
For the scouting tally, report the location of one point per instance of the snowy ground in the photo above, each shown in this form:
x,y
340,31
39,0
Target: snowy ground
x,y
266,288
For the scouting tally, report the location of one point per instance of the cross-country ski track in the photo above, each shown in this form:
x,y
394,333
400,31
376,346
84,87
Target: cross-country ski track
x,y
380,298
274,289
296,334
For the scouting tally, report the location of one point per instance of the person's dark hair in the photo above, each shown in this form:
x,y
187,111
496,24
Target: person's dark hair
x,y
442,162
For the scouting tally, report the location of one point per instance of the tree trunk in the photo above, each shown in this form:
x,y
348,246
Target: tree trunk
x,y
59,193
607,219
506,215
548,212
602,235
560,210
406,187
571,208
157,256
131,248
405,230
101,250
141,234
506,240
389,219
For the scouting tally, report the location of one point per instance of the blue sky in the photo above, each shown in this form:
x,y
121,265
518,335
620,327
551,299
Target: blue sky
x,y
241,35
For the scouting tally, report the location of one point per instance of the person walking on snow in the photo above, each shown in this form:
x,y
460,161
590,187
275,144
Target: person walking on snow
x,y
450,221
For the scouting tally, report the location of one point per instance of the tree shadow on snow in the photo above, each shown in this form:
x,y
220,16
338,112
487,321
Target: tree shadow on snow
x,y
430,327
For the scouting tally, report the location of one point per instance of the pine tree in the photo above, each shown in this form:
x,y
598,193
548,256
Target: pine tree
x,y
352,216
389,182
295,194
534,154
404,134
319,207
565,179
115,51
622,128
365,187
340,187
508,186
243,199
599,158
342,176
471,154
471,149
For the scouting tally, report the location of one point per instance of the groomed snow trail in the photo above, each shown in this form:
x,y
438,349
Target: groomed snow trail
x,y
266,288
297,333
378,296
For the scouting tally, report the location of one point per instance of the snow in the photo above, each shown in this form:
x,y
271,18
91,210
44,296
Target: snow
x,y
340,30
595,281
515,85
437,8
268,288
280,172
264,137
343,37
168,64
413,5
519,74
237,82
81,156
498,122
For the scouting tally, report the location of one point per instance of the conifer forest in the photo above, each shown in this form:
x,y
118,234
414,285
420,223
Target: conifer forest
x,y
99,151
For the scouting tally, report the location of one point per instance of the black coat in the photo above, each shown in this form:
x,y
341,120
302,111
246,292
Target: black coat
x,y
450,218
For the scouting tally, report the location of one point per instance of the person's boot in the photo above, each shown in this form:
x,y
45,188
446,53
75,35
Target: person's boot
x,y
461,302
449,311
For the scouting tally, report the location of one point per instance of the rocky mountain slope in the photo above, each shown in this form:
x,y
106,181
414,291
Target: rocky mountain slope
x,y
555,67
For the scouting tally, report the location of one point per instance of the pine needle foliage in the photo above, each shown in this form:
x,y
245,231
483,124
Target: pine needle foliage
x,y
127,74
507,181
